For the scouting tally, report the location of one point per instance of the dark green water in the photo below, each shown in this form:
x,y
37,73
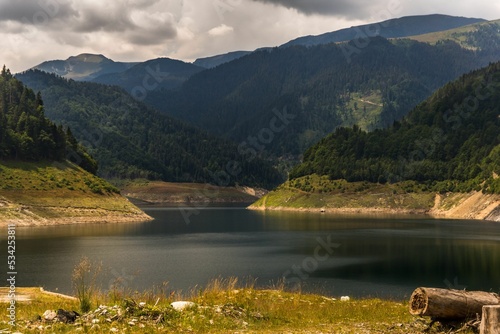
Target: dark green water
x,y
331,254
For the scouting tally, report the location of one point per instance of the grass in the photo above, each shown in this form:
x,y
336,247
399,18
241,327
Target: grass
x,y
365,108
29,191
315,191
224,306
458,35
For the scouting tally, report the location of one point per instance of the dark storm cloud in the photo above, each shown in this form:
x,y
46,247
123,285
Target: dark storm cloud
x,y
98,19
33,12
353,9
65,20
152,36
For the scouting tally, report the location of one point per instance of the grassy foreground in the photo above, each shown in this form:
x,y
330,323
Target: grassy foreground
x,y
59,193
221,307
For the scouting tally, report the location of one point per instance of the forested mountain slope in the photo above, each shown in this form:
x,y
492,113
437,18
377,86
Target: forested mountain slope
x,y
42,181
25,132
393,28
131,140
320,88
450,142
153,74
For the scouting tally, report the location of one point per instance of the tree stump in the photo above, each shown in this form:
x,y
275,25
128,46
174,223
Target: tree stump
x,y
490,320
450,304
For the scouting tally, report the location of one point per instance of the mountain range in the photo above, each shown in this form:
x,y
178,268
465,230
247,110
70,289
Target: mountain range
x,y
131,140
87,67
393,28
448,143
273,103
322,86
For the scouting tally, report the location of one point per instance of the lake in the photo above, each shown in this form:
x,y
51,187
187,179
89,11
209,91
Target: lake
x,y
355,255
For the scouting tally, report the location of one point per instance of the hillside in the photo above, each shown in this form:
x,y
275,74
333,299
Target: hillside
x,y
25,132
85,66
48,193
214,61
393,28
448,144
153,74
482,37
473,36
131,140
41,176
319,88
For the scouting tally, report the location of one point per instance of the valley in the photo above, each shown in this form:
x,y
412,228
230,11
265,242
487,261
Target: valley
x,y
306,184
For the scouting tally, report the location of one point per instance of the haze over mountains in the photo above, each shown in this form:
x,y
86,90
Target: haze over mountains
x,y
311,88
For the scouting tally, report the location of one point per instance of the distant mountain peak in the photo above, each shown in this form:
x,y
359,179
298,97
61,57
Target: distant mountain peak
x,y
85,66
393,28
89,58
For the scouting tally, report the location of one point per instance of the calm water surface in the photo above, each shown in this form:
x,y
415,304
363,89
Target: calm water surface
x,y
331,254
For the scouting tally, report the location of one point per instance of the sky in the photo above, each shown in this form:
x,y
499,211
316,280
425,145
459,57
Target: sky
x,y
33,31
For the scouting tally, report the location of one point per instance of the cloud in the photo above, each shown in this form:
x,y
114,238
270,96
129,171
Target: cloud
x,y
33,31
354,9
106,18
221,30
35,13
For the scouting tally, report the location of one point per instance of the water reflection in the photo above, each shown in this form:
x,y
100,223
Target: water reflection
x,y
385,256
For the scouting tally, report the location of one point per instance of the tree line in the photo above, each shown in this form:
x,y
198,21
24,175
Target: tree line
x,y
25,132
450,142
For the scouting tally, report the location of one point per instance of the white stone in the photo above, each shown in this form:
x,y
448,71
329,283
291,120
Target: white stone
x,y
345,298
182,305
142,304
95,321
49,315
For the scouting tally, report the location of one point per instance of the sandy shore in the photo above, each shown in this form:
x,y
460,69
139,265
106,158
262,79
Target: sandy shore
x,y
475,205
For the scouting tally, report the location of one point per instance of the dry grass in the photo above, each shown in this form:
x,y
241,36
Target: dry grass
x,y
225,306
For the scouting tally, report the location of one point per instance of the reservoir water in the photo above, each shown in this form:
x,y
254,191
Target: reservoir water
x,y
359,256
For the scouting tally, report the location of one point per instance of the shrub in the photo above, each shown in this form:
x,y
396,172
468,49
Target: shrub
x,y
84,280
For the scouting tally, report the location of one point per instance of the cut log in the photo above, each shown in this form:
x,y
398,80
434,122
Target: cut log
x,y
450,304
490,320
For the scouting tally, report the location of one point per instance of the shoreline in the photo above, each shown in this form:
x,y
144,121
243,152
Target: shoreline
x,y
67,216
474,206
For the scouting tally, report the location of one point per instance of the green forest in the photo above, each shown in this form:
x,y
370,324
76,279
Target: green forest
x,y
25,132
131,140
450,142
322,86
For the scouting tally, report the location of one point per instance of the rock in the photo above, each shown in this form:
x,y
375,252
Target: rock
x,y
114,330
67,317
182,305
256,315
49,315
345,298
142,304
95,321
